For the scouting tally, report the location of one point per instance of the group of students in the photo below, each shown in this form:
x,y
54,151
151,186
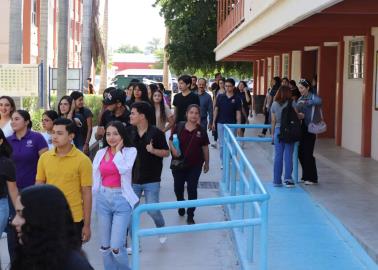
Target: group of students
x,y
304,101
129,163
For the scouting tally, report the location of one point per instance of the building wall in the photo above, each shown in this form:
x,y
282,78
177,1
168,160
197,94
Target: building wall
x,y
374,141
352,108
4,34
261,20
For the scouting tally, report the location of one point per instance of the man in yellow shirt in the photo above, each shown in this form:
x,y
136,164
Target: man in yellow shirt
x,y
71,171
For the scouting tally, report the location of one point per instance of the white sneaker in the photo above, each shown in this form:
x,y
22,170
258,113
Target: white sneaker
x,y
129,251
162,239
214,145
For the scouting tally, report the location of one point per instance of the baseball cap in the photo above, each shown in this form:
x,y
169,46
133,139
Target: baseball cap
x,y
115,96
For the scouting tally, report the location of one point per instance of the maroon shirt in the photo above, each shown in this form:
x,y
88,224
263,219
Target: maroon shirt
x,y
193,156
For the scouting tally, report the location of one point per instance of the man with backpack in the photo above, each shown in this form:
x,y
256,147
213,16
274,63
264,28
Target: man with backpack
x,y
286,131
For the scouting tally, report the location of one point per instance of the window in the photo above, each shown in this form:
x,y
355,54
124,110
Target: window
x,y
277,64
356,59
285,67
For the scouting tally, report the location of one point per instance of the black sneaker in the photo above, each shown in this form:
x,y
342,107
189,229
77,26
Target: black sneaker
x,y
190,220
289,184
181,212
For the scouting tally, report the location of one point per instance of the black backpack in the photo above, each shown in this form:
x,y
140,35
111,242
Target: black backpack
x,y
290,130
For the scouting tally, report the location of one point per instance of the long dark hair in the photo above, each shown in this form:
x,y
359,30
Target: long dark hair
x,y
5,147
142,87
163,116
11,101
121,131
48,233
277,83
69,99
26,116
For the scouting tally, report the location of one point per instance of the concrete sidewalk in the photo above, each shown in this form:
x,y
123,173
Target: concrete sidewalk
x,y
204,250
327,225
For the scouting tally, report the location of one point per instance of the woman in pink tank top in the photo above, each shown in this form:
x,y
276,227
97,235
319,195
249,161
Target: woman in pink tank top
x,y
115,199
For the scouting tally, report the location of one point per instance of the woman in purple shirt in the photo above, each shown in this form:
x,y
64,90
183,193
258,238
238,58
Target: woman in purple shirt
x,y
27,147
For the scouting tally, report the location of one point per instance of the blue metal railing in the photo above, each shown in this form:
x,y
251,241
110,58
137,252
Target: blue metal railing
x,y
243,196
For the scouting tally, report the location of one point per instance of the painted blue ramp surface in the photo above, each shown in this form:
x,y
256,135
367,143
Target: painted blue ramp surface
x,y
304,236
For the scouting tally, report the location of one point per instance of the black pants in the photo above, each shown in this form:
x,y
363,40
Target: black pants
x,y
266,122
78,228
215,133
191,177
306,155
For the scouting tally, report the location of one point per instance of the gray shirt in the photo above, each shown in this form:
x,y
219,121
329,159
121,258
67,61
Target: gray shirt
x,y
277,110
206,104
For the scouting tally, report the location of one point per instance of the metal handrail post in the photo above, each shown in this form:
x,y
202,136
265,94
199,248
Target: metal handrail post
x,y
135,240
295,162
264,236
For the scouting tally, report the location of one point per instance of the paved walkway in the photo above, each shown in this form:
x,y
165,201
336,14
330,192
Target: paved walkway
x,y
306,224
311,227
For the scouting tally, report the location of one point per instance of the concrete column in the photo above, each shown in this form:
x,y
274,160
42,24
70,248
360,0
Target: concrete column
x,y
44,47
296,57
367,95
63,17
339,92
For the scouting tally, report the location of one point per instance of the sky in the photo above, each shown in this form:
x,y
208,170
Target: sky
x,y
134,22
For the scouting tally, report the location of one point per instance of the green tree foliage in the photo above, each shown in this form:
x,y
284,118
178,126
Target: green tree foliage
x,y
126,48
153,45
193,36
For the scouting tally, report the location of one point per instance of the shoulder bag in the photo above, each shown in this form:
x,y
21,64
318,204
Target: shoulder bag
x,y
179,164
321,126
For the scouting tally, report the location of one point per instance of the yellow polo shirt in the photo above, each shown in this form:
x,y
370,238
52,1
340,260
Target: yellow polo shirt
x,y
68,173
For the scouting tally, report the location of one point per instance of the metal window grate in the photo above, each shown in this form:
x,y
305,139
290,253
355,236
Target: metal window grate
x,y
356,59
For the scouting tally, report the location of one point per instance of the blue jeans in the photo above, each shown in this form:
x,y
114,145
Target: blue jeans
x,y
220,129
151,194
114,213
282,151
4,213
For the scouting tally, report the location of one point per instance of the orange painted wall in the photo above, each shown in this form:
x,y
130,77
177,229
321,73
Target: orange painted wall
x,y
26,32
327,75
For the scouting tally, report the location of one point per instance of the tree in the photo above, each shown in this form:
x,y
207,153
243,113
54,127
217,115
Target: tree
x,y
104,67
63,47
126,48
193,36
15,32
153,45
91,41
44,47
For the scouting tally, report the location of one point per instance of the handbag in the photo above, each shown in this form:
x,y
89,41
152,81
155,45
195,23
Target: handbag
x,y
317,128
179,164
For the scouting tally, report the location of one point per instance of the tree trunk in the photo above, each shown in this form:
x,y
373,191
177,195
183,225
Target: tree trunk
x,y
15,31
86,41
165,61
63,47
44,47
104,66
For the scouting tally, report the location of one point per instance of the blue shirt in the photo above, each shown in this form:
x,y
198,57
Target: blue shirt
x,y
304,105
206,105
25,156
227,108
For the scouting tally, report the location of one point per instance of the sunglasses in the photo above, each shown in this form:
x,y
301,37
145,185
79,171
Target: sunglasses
x,y
304,82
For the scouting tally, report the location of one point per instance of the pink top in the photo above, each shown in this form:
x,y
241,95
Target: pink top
x,y
109,172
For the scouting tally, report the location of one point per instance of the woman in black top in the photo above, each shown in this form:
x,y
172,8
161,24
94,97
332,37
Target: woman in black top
x,y
7,180
66,109
46,232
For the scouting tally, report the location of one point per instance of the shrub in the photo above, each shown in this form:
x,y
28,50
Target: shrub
x,y
93,102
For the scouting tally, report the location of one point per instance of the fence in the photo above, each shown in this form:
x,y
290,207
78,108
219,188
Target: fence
x,y
244,198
